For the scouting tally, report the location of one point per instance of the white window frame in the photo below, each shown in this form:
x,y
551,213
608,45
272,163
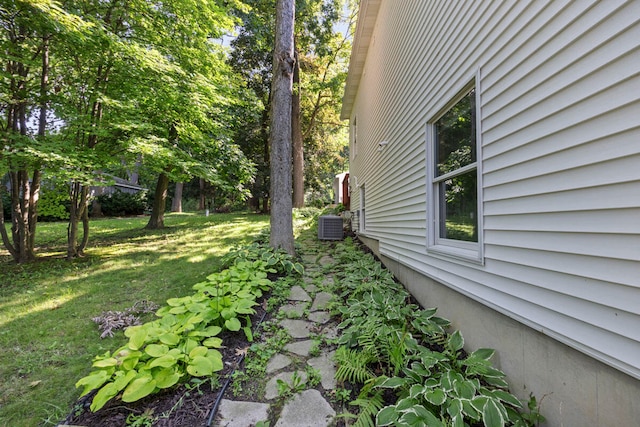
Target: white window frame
x,y
436,245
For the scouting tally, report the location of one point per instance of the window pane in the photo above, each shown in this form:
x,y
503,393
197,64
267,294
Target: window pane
x,y
458,207
456,136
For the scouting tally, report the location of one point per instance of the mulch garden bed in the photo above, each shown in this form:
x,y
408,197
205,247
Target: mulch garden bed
x,y
187,405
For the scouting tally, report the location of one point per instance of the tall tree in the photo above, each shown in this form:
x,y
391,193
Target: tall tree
x,y
27,30
176,203
283,67
322,53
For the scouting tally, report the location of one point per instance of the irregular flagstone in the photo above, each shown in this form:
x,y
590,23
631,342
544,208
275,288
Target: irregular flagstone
x,y
321,301
327,368
278,362
309,259
308,409
330,332
298,294
321,317
296,309
241,414
326,260
297,328
271,389
328,280
311,287
301,348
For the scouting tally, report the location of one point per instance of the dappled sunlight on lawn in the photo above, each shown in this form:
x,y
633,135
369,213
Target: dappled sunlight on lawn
x,y
18,309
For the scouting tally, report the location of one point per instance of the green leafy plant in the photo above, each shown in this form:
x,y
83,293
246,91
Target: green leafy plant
x,y
391,345
353,365
285,390
369,405
277,259
183,343
146,419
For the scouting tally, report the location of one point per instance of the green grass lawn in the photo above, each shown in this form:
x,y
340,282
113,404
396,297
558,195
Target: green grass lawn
x,y
47,338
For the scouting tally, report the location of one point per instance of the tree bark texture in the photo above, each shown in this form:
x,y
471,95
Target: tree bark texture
x,y
24,191
78,211
296,135
202,205
283,67
176,203
159,202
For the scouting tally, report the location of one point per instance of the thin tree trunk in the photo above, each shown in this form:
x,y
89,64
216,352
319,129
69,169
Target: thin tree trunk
x,y
283,64
176,203
3,231
203,198
296,135
79,196
34,195
156,220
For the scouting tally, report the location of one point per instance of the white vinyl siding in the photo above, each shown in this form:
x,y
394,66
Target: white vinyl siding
x,y
560,102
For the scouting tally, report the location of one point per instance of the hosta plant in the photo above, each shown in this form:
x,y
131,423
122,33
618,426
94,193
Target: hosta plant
x,y
183,342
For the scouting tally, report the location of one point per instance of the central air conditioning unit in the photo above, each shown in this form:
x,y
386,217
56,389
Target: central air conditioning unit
x,y
330,227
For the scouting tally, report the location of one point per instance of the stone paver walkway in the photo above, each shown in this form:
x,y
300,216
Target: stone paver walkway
x,y
306,319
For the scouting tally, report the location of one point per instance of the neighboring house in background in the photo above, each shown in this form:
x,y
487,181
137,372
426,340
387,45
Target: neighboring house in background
x,y
341,189
495,169
119,184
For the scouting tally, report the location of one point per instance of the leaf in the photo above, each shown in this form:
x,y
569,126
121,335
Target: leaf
x,y
387,416
216,358
138,388
198,351
166,378
121,379
298,268
165,361
419,416
169,339
105,363
482,353
103,395
156,350
393,382
137,339
507,397
213,342
416,390
455,342
93,381
211,331
491,415
233,324
436,397
200,366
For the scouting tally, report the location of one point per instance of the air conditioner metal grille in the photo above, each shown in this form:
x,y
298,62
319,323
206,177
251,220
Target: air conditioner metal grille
x,y
330,227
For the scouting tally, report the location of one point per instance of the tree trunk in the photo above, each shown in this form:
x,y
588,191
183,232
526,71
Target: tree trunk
x,y
176,204
24,192
296,135
159,202
79,196
283,66
203,198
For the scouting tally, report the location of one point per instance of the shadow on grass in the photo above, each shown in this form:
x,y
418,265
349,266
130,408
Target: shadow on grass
x,y
47,338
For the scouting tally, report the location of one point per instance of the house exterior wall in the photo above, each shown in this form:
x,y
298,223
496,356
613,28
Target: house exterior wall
x,y
557,291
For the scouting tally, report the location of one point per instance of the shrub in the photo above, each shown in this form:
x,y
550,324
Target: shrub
x,y
53,204
122,204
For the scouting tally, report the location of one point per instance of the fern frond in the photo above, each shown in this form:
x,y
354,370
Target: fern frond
x,y
352,365
369,407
